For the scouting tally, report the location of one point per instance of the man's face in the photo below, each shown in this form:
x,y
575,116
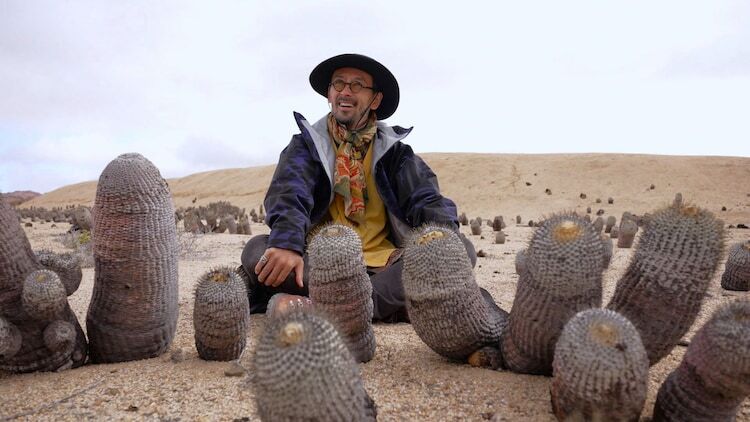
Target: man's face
x,y
348,107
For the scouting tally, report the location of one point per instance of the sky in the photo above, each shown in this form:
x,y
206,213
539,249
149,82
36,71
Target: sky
x,y
196,86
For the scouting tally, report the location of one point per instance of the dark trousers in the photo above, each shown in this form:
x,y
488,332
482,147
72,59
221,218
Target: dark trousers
x,y
387,287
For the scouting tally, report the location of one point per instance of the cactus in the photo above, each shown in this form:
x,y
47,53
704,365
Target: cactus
x,y
193,223
498,223
663,287
340,287
66,265
608,251
518,219
562,275
304,371
600,371
611,220
712,380
476,227
82,218
599,224
444,302
462,219
22,344
244,226
736,274
614,233
626,233
133,309
43,297
230,223
520,261
220,315
499,238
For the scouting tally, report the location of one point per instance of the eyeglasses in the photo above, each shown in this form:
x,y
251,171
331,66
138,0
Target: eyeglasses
x,y
355,86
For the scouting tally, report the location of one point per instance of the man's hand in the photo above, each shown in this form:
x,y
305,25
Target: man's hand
x,y
277,265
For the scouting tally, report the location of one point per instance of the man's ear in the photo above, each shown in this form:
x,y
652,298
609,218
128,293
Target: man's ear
x,y
378,98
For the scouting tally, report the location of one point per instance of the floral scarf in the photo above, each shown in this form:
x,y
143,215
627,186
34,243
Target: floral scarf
x,y
349,178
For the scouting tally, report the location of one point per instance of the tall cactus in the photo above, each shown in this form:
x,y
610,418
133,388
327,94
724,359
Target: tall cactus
x,y
561,275
340,287
133,309
445,305
22,329
304,371
714,376
663,287
600,371
736,274
220,315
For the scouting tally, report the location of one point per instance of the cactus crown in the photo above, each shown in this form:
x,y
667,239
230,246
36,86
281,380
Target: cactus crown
x,y
566,231
290,334
604,333
218,276
429,237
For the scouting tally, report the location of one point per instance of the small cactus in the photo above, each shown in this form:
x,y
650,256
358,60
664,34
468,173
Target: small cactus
x,y
600,371
736,274
610,200
712,380
663,286
520,261
499,238
133,309
444,302
463,219
518,219
498,223
43,297
66,265
340,287
598,224
476,228
562,275
611,220
626,233
614,233
220,315
10,339
244,227
304,371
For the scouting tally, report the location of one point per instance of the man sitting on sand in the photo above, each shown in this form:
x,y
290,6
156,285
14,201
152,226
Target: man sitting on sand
x,y
348,168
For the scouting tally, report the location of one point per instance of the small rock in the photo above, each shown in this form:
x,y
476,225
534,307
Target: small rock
x,y
132,408
178,355
582,195
481,254
723,208
234,369
528,184
741,226
683,343
111,391
652,187
548,191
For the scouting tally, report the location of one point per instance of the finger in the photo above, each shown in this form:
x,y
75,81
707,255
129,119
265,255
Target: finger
x,y
273,279
266,270
261,263
299,271
283,275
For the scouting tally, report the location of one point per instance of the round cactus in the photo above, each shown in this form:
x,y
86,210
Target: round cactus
x,y
444,302
498,223
43,297
340,287
736,274
133,309
304,371
562,275
59,336
600,370
712,381
499,238
220,315
476,228
10,339
663,286
66,265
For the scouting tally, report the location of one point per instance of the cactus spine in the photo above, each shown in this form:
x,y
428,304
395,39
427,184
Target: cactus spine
x,y
561,275
663,287
340,287
133,309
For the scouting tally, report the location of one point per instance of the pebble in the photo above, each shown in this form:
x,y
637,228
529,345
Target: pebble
x,y
234,369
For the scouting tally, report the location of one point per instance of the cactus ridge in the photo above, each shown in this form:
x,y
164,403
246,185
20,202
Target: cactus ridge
x,y
304,371
663,287
561,275
444,302
66,265
340,287
600,368
27,353
712,380
133,309
220,314
736,274
44,297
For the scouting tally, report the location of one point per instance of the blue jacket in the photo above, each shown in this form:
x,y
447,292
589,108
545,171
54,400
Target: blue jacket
x,y
301,189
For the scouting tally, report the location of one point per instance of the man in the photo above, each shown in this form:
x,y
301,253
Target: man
x,y
349,168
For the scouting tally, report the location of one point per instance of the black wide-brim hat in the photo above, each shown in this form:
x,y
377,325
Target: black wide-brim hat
x,y
386,83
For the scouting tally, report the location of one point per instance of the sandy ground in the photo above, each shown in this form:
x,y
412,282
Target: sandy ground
x,y
406,379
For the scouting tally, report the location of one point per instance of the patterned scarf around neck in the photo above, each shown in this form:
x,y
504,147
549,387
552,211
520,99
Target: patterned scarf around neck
x,y
349,178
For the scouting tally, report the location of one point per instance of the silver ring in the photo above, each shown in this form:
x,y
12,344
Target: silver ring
x,y
263,259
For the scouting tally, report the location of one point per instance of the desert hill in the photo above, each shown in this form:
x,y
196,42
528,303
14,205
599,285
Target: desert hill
x,y
510,184
18,197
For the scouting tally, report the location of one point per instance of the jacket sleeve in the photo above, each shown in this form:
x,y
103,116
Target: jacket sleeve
x,y
290,198
417,191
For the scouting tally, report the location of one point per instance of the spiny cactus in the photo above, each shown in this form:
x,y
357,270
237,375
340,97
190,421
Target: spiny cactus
x,y
499,238
626,233
498,223
340,287
220,315
663,287
463,219
476,227
600,371
133,309
43,297
304,371
562,275
22,343
736,274
611,220
244,226
66,265
599,224
444,302
714,376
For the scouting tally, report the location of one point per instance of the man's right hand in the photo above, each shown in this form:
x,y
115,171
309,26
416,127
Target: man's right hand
x,y
277,266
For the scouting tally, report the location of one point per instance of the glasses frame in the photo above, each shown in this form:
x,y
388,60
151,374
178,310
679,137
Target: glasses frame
x,y
351,85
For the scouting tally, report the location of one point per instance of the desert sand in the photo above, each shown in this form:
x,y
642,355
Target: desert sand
x,y
407,380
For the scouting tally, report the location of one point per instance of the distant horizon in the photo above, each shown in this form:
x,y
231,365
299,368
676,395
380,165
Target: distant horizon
x,y
197,87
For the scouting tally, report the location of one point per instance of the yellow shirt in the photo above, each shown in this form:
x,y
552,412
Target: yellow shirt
x,y
374,231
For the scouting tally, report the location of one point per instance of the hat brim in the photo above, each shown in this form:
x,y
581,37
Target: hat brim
x,y
386,83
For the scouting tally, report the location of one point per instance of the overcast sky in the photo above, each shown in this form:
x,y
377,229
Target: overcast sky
x,y
207,85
